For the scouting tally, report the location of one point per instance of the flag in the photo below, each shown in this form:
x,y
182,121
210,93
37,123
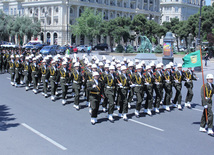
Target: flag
x,y
192,59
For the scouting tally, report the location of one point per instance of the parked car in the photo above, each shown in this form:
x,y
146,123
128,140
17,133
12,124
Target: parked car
x,y
46,50
82,48
29,47
62,50
39,46
10,45
103,46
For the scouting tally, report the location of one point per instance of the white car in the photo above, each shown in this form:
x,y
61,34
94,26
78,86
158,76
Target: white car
x,y
82,48
10,45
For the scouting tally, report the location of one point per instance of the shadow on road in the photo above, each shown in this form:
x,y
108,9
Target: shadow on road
x,y
5,117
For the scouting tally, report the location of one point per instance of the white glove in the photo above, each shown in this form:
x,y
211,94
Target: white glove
x,y
102,100
147,83
167,81
83,87
128,91
133,85
120,84
46,80
206,106
94,86
157,83
56,82
187,80
176,81
67,84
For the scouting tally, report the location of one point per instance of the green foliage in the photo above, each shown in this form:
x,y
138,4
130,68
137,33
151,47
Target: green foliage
x,y
130,49
119,49
158,49
87,24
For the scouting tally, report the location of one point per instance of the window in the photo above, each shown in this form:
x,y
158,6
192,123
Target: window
x,y
167,18
176,9
14,11
11,11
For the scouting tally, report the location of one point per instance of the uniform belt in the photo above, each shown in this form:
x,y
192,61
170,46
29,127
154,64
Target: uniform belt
x,y
138,85
95,93
109,87
124,87
43,74
51,76
62,77
76,82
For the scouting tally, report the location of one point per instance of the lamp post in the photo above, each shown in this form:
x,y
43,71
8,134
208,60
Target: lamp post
x,y
67,20
45,37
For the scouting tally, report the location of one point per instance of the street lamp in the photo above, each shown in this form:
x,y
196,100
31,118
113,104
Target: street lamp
x,y
199,29
45,37
67,20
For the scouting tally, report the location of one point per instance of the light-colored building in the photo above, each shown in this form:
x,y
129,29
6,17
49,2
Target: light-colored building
x,y
212,1
181,9
54,19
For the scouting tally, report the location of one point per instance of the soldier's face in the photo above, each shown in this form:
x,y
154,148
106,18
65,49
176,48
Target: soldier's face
x,y
111,71
168,69
119,68
139,70
131,68
44,63
106,69
149,70
210,80
94,69
89,67
124,71
159,69
76,68
180,68
96,77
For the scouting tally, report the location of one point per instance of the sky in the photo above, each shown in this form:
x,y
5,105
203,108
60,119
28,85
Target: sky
x,y
207,2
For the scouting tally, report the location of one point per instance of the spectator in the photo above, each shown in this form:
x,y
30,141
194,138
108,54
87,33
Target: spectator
x,y
67,51
206,58
88,50
75,50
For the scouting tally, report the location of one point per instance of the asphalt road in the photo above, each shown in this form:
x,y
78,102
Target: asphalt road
x,y
32,124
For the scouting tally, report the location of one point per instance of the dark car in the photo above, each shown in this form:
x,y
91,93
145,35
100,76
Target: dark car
x,y
46,50
101,47
62,50
39,46
29,47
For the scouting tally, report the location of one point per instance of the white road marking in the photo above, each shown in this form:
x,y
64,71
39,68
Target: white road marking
x,y
8,78
45,137
144,124
198,110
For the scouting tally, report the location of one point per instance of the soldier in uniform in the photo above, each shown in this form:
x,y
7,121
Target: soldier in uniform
x,y
12,69
158,87
149,80
123,83
27,73
189,75
45,74
130,73
178,78
35,72
95,93
77,79
168,87
110,87
138,85
207,91
53,72
1,61
87,76
64,80
22,73
18,70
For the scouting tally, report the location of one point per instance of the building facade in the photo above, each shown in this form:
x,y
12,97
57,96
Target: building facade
x,y
56,15
180,9
212,1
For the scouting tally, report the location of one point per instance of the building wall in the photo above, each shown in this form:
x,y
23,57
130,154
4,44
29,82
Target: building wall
x,y
181,9
54,19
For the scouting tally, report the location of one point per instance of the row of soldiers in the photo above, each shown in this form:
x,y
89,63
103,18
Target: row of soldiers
x,y
108,82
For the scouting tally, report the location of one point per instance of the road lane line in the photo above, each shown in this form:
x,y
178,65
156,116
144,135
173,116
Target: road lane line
x,y
45,137
144,124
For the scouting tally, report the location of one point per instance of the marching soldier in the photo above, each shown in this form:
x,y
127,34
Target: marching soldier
x,y
87,76
64,80
138,85
158,87
18,71
123,83
130,74
35,72
77,79
110,87
1,61
22,73
12,69
95,93
44,72
148,76
53,72
27,73
207,91
167,87
178,78
189,75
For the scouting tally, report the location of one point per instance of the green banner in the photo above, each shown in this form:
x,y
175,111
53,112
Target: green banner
x,y
192,59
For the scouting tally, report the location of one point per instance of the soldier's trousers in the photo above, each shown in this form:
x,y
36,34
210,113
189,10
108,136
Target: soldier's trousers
x,y
159,95
139,95
53,87
1,67
189,95
131,94
178,95
27,79
64,89
76,88
22,77
168,90
210,118
94,104
149,97
12,76
105,99
123,102
45,84
17,76
35,82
